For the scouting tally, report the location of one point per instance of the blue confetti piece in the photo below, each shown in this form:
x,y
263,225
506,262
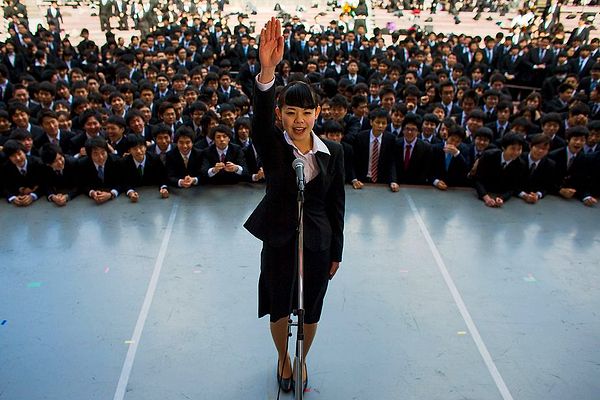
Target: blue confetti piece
x,y
34,284
3,322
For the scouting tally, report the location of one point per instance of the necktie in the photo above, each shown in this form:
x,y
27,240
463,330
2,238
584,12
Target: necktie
x,y
501,131
54,141
222,157
489,55
59,173
1,93
477,156
532,168
374,160
581,64
542,54
504,164
514,58
23,171
140,170
252,68
101,173
185,161
570,161
163,157
407,156
448,160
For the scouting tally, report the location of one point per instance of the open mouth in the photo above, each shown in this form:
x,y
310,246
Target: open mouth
x,y
298,131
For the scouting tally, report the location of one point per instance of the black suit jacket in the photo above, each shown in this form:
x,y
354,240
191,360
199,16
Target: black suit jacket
x,y
13,180
234,154
253,161
65,183
275,219
64,142
565,173
88,175
455,174
176,168
154,173
361,153
543,179
491,177
418,166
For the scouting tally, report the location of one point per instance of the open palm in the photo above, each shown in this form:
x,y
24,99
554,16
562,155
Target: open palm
x,y
271,44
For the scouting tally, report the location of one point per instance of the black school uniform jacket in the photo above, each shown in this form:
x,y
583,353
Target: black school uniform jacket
x,y
274,220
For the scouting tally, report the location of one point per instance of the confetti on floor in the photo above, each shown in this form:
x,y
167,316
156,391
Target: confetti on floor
x,y
530,278
461,333
34,284
106,270
3,322
129,342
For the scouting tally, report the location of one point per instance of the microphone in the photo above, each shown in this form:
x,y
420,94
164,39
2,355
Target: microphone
x,y
298,166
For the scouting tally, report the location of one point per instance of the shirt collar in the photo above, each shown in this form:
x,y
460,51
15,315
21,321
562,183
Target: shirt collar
x,y
318,145
143,163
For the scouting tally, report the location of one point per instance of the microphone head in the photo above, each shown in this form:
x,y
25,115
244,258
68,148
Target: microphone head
x,y
298,162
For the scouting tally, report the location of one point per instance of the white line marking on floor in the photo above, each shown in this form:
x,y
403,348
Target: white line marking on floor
x,y
485,354
141,321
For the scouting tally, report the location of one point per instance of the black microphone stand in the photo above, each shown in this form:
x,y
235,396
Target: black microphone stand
x,y
299,361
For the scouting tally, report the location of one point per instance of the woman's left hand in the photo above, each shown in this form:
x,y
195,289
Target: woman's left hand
x,y
335,265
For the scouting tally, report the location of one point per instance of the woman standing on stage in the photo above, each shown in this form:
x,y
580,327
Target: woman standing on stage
x,y
275,219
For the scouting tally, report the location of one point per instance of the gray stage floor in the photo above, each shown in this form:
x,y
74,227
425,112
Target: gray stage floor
x,y
438,297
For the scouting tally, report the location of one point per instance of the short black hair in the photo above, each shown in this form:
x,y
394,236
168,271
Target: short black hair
x,y
11,147
184,131
539,139
95,142
510,139
576,131
134,140
221,128
331,126
298,94
48,152
378,113
484,132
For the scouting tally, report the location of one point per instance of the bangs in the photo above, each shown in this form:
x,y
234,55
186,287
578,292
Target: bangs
x,y
298,94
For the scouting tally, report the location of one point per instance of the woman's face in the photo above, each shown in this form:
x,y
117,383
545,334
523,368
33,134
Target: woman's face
x,y
298,122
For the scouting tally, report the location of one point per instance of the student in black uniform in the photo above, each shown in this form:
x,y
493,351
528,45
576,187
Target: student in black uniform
x,y
61,175
21,174
142,169
274,221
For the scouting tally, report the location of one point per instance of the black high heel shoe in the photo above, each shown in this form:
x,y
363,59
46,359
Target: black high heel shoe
x,y
305,385
284,383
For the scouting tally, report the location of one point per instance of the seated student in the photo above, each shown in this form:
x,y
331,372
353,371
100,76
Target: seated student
x,y
333,131
449,166
52,132
429,127
209,120
184,161
5,127
21,175
560,103
474,121
587,179
397,116
374,151
139,168
99,172
550,126
136,124
20,116
223,162
61,175
569,160
227,113
339,113
412,156
501,125
499,173
162,142
243,128
90,122
541,178
24,137
482,141
592,144
115,132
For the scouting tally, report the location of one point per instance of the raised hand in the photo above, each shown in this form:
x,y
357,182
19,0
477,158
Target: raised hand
x,y
270,49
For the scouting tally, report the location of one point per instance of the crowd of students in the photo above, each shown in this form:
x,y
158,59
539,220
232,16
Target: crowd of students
x,y
172,110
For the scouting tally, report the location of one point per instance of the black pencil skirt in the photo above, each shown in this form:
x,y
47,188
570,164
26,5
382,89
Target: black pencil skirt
x,y
277,274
